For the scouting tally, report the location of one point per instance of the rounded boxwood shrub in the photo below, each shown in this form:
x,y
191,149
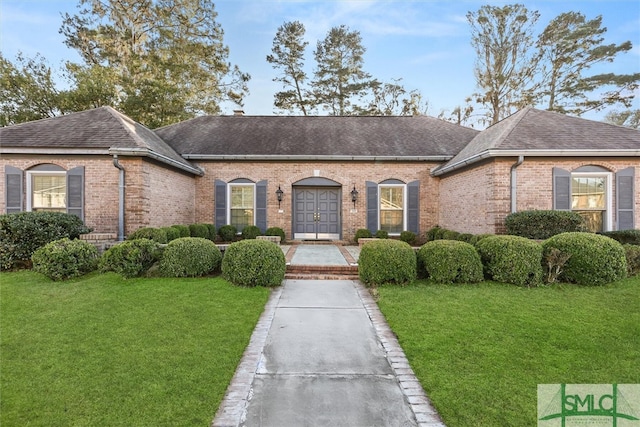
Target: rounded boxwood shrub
x,y
212,232
450,235
183,230
227,233
408,236
251,232
190,257
65,258
477,237
172,233
511,259
131,258
434,233
542,224
275,231
451,261
158,235
632,254
254,263
199,230
362,233
387,261
382,234
22,233
594,260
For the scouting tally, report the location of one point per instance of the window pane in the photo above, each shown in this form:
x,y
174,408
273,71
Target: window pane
x,y
392,209
241,206
594,220
49,192
588,193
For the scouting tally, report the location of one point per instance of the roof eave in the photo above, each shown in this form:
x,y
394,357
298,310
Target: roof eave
x,y
54,151
534,153
145,152
278,157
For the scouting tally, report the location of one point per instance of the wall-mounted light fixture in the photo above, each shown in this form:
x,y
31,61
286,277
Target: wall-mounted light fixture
x,y
354,196
279,194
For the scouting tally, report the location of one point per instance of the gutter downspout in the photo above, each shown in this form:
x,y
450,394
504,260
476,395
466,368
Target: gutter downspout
x,y
117,164
514,183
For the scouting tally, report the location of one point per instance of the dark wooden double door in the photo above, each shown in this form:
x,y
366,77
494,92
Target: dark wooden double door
x,y
316,213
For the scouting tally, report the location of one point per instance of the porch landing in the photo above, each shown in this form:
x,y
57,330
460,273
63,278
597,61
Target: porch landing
x,y
328,260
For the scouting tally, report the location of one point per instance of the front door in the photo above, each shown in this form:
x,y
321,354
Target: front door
x,y
316,213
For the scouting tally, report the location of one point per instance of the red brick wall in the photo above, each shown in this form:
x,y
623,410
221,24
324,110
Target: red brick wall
x,y
477,199
284,174
154,195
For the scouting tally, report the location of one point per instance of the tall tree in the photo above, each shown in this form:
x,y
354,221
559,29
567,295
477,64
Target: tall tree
x,y
569,46
628,118
27,91
502,37
340,82
168,56
392,99
288,56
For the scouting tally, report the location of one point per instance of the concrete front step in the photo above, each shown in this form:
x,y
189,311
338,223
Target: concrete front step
x,y
320,276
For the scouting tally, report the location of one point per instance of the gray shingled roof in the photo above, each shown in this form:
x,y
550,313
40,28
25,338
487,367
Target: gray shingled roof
x,y
99,128
531,131
316,137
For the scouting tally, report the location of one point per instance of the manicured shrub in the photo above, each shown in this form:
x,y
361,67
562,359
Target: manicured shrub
x,y
511,259
65,259
275,231
362,233
254,263
408,236
434,233
131,258
631,237
172,233
227,233
183,230
465,237
632,254
199,230
22,233
543,224
158,235
451,261
595,259
387,261
381,234
251,232
477,237
450,235
190,257
212,232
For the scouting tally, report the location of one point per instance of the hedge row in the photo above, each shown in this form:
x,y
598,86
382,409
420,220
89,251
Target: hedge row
x,y
572,257
226,233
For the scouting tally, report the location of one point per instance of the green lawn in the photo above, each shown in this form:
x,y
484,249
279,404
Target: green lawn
x,y
481,350
105,351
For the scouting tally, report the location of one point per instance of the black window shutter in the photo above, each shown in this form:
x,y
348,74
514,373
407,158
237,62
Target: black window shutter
x,y
561,189
75,192
220,194
13,189
413,206
372,206
625,198
261,205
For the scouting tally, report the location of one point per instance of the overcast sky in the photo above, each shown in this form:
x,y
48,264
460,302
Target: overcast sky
x,y
426,43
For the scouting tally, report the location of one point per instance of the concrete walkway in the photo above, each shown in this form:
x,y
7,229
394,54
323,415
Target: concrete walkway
x,y
323,355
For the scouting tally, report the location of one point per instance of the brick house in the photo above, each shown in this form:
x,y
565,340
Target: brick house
x,y
320,177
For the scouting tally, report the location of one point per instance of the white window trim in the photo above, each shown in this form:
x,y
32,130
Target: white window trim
x,y
30,175
608,216
404,205
240,184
